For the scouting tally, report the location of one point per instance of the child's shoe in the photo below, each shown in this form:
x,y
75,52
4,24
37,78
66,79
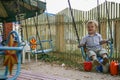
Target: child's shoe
x,y
96,62
105,61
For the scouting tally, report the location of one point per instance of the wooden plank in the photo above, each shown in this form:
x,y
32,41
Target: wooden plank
x,y
117,38
101,10
118,10
60,33
104,31
111,10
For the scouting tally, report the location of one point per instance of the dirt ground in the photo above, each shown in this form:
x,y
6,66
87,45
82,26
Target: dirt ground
x,y
62,71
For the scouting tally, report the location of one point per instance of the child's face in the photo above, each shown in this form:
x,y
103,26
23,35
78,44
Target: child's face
x,y
91,28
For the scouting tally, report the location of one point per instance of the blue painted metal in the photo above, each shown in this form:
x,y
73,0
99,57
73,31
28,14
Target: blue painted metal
x,y
3,77
83,53
11,48
42,51
19,53
1,52
6,71
110,45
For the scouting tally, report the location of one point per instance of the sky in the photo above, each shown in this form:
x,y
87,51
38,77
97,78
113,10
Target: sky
x,y
54,6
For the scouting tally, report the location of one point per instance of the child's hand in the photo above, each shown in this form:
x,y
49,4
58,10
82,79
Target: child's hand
x,y
103,42
81,45
109,40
